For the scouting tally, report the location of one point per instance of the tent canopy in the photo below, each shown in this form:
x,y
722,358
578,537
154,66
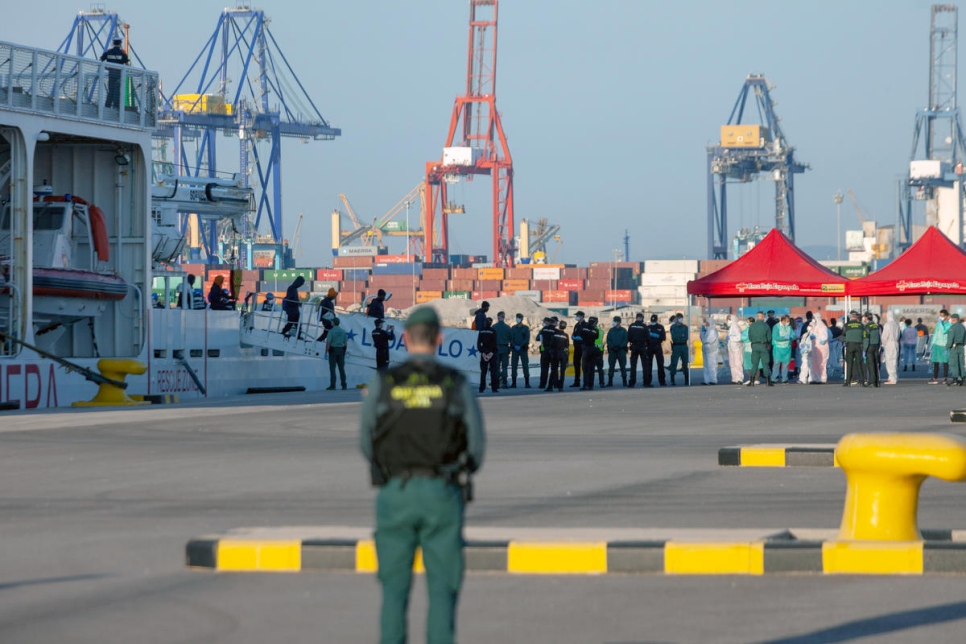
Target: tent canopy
x,y
934,264
774,267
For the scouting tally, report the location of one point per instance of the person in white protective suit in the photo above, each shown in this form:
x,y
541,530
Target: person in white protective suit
x,y
821,345
709,349
805,348
736,350
890,348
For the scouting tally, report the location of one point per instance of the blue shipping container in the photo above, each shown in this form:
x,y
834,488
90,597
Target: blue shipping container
x,y
397,269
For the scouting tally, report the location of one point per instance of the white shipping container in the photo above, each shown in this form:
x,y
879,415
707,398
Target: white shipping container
x,y
534,296
670,303
671,266
663,291
352,251
666,279
925,169
546,273
460,156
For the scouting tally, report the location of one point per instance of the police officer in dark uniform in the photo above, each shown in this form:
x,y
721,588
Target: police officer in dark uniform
x,y
380,340
486,345
588,338
422,432
578,346
559,357
873,345
637,338
545,338
520,347
854,335
117,56
656,335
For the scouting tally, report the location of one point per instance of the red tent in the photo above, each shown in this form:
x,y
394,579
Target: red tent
x,y
934,264
774,267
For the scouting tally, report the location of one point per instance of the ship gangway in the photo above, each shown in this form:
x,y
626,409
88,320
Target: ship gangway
x,y
263,329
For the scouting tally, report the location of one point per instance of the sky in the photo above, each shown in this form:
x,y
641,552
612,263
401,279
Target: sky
x,y
608,107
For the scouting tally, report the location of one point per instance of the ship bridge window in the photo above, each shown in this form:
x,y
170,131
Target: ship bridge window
x,y
48,217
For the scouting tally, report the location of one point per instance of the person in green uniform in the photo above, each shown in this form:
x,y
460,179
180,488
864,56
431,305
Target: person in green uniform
x,y
679,351
422,432
759,334
746,363
955,339
616,351
854,335
335,347
873,346
938,354
502,331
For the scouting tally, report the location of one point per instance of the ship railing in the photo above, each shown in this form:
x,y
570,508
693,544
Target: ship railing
x,y
9,318
49,83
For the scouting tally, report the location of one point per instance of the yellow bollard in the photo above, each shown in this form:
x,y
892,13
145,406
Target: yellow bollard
x,y
885,472
569,371
109,395
698,361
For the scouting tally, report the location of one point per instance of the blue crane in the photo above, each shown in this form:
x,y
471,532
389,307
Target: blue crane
x,y
744,152
92,33
267,102
938,146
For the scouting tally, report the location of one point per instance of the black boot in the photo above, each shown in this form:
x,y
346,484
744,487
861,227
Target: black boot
x,y
576,383
770,383
527,384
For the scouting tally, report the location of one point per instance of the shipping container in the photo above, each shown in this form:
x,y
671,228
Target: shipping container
x,y
597,284
351,262
323,286
708,266
355,274
540,273
460,285
559,296
382,281
665,279
487,274
483,295
535,296
357,251
428,296
570,284
743,136
432,285
456,295
393,259
349,286
464,274
517,273
435,273
663,292
488,285
671,266
516,285
328,274
622,296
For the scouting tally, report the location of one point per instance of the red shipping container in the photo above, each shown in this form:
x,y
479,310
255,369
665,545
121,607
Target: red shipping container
x,y
349,286
352,261
432,285
483,295
459,285
464,274
436,273
544,285
328,275
345,299
597,284
198,270
215,272
517,274
488,285
570,284
596,295
556,296
383,281
618,296
392,259
590,303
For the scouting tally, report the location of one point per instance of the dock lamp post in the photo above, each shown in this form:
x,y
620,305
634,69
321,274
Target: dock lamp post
x,y
838,197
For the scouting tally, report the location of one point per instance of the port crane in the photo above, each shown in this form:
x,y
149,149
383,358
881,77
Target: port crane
x,y
746,152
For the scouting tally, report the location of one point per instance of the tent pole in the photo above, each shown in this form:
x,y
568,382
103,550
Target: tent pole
x,y
688,365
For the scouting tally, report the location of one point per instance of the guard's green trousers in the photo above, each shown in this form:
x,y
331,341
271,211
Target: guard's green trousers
x,y
424,512
759,360
957,370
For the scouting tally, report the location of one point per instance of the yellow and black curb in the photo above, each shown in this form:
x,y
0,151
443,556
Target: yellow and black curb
x,y
778,456
594,558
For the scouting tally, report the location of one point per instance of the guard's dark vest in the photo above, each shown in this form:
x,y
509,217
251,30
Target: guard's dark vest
x,y
421,423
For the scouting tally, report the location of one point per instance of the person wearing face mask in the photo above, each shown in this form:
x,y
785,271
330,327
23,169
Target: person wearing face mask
x,y
709,351
502,331
520,351
588,336
656,335
855,337
736,351
781,342
545,337
578,341
680,353
821,339
939,355
616,351
558,357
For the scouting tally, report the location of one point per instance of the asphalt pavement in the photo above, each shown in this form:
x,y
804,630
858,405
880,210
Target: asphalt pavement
x,y
96,508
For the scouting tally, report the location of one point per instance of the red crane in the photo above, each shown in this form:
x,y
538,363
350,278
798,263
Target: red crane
x,y
481,147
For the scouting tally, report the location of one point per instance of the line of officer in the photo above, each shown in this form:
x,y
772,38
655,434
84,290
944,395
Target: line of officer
x,y
578,340
854,335
545,338
560,352
520,348
873,345
420,429
616,351
637,339
380,340
656,335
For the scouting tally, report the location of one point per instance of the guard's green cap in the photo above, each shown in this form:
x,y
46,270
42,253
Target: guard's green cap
x,y
423,315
